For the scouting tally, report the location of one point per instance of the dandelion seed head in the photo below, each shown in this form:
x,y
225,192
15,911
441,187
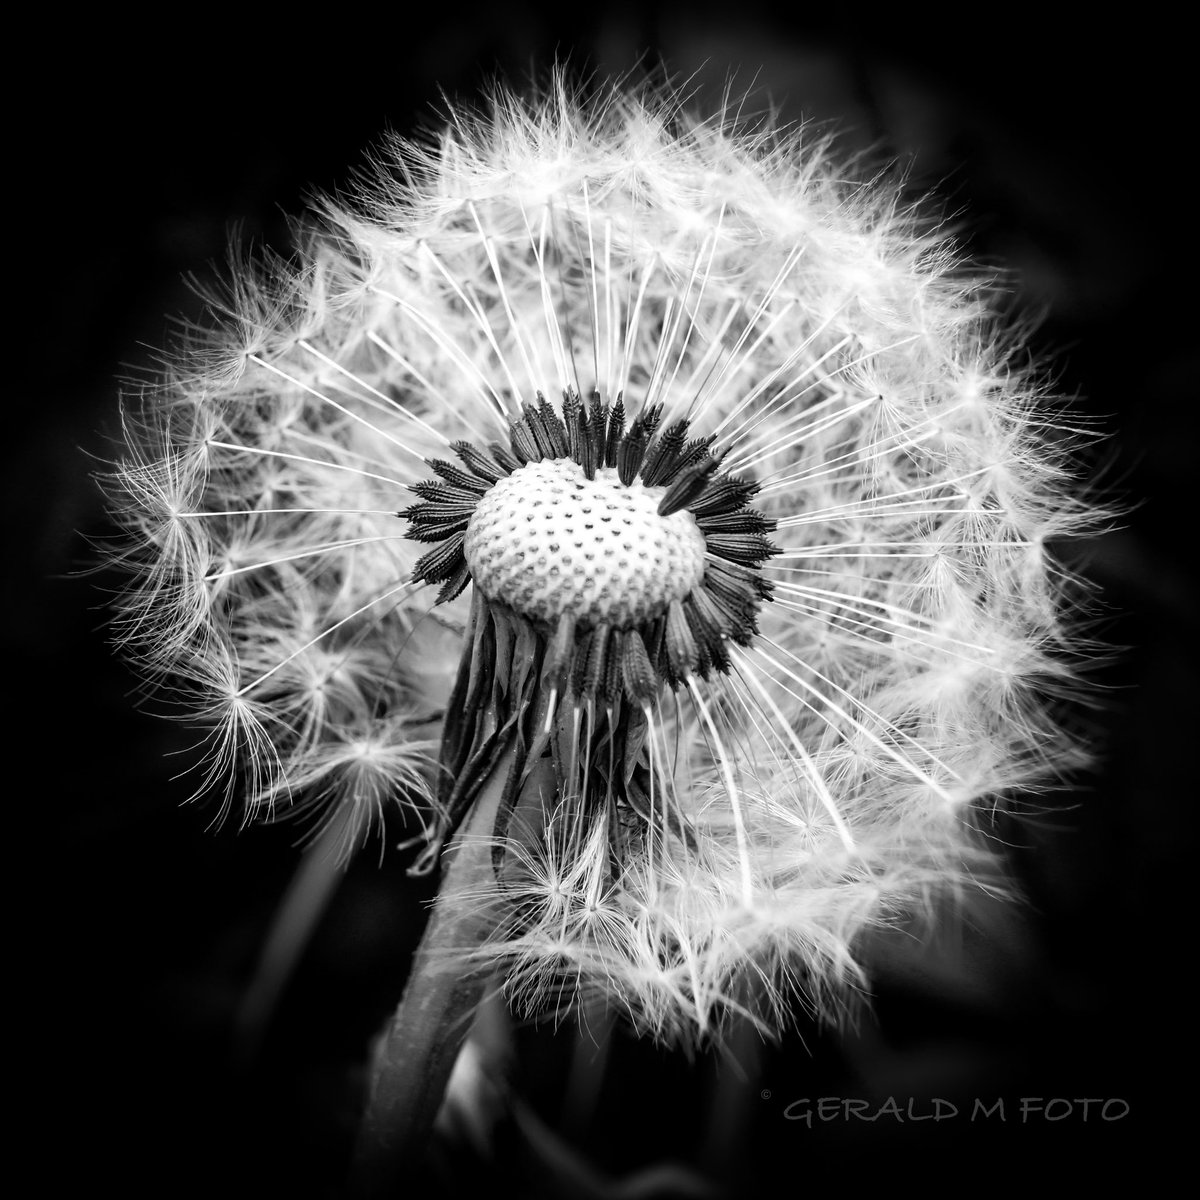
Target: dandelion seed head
x,y
813,630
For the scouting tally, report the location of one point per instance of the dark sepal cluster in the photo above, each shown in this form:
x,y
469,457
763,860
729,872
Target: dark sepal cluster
x,y
513,709
689,638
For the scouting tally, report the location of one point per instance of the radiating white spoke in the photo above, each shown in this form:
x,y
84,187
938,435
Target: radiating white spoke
x,y
400,587
325,399
390,403
314,462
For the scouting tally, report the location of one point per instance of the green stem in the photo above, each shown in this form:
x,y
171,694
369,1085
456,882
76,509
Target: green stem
x,y
417,1053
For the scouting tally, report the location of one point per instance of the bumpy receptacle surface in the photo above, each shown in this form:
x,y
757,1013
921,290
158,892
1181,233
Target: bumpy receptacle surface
x,y
547,540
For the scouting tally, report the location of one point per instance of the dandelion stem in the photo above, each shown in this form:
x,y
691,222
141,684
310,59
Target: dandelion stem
x,y
417,1051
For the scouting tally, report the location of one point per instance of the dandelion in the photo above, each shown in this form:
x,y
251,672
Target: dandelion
x,y
639,506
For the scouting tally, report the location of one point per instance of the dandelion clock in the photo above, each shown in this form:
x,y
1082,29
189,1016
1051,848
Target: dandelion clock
x,y
637,523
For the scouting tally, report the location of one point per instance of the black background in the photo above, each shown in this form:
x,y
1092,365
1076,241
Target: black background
x,y
140,149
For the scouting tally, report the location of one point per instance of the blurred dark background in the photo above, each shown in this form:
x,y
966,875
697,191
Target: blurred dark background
x,y
139,150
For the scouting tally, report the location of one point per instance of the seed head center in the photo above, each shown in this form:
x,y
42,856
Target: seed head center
x,y
547,540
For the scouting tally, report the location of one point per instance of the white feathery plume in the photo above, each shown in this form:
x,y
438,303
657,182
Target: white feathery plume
x,y
806,760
